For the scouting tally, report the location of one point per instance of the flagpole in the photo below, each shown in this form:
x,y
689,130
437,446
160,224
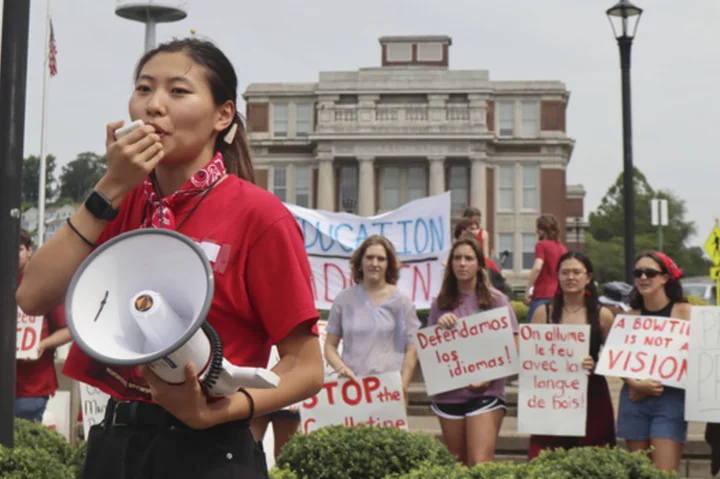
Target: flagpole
x,y
43,132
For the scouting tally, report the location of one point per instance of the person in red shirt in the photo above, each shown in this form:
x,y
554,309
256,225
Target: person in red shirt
x,y
193,153
35,380
475,216
543,277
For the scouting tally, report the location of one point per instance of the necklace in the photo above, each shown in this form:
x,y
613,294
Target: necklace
x,y
573,311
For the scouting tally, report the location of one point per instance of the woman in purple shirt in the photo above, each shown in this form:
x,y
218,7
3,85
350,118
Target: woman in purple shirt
x,y
375,320
470,417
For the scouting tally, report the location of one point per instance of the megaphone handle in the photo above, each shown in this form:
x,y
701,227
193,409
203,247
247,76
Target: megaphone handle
x,y
216,359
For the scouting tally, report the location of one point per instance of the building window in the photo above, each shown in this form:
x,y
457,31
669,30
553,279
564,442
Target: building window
x,y
506,122
280,119
528,257
458,182
530,188
506,247
280,182
530,118
348,191
303,119
417,183
302,186
398,185
507,187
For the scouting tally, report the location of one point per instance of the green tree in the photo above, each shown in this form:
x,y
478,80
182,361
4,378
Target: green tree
x,y
80,175
604,242
31,178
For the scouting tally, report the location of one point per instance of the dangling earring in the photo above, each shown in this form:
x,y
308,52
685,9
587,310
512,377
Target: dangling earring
x,y
587,292
559,291
230,136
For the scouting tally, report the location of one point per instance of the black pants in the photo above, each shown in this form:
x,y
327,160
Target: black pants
x,y
712,437
164,452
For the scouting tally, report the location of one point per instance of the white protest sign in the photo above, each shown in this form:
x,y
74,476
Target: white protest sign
x,y
480,348
29,329
57,413
702,394
419,231
92,404
376,401
647,347
552,397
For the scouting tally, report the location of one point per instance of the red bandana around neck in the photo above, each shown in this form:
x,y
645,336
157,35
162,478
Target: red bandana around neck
x,y
162,211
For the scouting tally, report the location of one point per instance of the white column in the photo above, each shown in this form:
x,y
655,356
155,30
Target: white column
x,y
326,184
366,203
478,184
437,175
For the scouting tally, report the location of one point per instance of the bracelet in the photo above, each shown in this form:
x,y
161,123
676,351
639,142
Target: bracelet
x,y
87,241
252,403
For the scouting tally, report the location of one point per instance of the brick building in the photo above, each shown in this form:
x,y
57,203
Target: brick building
x,y
367,141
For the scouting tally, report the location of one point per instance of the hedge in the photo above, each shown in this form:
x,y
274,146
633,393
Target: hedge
x,y
360,452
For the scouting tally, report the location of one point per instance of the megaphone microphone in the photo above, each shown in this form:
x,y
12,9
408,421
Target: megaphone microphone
x,y
142,298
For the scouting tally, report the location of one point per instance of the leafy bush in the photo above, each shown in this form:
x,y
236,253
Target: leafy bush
x,y
521,311
284,473
360,452
30,462
585,462
36,435
77,461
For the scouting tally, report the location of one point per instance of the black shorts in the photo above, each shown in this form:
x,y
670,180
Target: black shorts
x,y
171,451
473,407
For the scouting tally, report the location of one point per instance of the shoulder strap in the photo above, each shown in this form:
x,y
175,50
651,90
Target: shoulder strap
x,y
548,320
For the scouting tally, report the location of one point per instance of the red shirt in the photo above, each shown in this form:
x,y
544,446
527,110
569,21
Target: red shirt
x,y
261,270
489,263
547,282
37,378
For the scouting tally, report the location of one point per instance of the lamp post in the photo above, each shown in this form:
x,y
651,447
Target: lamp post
x,y
624,18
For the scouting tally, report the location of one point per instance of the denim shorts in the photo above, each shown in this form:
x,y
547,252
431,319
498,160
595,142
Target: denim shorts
x,y
31,409
653,417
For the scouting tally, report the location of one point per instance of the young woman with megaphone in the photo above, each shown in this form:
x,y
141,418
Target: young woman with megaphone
x,y
191,152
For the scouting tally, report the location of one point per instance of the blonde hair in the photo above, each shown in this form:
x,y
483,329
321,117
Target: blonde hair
x,y
392,274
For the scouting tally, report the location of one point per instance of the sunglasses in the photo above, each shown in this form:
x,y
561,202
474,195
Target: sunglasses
x,y
648,272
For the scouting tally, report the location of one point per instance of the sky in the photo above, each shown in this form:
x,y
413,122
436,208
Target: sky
x,y
674,65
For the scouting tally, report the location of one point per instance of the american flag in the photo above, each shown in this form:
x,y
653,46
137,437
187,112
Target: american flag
x,y
52,60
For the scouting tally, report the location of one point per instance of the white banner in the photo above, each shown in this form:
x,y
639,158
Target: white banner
x,y
647,347
480,348
29,329
419,231
376,401
92,404
552,397
702,394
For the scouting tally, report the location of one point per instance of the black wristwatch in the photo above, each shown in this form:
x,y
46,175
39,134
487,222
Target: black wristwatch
x,y
100,207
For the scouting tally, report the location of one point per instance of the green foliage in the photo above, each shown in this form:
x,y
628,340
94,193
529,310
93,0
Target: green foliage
x,y
77,461
604,242
521,311
30,434
80,175
31,178
31,462
360,452
585,462
284,473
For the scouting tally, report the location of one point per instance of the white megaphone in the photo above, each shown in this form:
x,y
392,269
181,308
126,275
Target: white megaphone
x,y
142,298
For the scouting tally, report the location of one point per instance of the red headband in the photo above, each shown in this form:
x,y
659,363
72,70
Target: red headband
x,y
672,269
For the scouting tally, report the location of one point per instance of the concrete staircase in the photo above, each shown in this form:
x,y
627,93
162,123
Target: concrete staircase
x,y
512,446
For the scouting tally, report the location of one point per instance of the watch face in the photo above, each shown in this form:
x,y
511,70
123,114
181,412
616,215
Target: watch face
x,y
100,206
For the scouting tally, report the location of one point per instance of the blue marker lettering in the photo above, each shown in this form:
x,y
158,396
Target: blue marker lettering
x,y
420,224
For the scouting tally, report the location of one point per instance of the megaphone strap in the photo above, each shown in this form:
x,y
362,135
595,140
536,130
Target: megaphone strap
x,y
216,359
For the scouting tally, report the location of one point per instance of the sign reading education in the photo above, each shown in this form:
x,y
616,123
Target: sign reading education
x,y
419,231
647,347
29,329
702,394
552,397
480,348
376,401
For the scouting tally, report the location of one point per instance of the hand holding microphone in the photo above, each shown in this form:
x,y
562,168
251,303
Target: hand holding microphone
x,y
133,151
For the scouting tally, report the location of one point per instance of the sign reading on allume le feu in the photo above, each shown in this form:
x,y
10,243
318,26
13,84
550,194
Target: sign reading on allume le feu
x,y
480,348
419,231
552,398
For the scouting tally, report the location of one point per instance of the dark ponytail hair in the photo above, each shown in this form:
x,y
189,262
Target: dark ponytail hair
x,y
673,287
223,85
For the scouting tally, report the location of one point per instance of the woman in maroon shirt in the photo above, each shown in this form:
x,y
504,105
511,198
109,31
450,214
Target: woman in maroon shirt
x,y
543,276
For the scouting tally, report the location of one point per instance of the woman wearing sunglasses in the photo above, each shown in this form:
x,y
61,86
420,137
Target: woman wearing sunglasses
x,y
650,414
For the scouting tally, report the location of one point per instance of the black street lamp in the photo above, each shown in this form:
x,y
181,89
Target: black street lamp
x,y
624,18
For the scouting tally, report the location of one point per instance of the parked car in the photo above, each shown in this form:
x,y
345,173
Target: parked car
x,y
703,288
